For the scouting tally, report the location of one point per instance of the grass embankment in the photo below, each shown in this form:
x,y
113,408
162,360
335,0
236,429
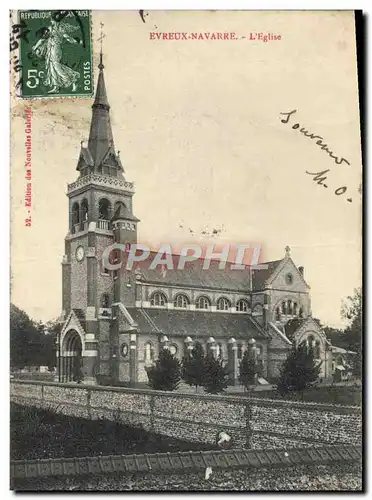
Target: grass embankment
x,y
340,395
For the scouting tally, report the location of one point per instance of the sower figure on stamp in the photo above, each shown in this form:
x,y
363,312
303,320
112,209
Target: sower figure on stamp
x,y
49,47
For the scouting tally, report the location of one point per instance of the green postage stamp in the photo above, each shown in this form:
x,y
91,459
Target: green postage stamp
x,y
55,53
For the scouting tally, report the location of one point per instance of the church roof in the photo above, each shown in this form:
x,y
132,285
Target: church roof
x,y
259,276
291,327
196,323
122,213
193,275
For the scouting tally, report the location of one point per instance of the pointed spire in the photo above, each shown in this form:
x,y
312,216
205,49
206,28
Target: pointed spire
x,y
101,141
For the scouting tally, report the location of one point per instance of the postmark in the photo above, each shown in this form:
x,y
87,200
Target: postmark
x,y
56,55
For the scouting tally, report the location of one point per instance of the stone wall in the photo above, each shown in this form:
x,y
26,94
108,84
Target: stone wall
x,y
256,423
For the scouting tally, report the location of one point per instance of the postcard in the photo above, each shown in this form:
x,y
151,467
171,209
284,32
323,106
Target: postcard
x,y
186,251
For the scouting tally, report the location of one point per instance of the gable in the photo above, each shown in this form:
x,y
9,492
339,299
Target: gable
x,y
280,279
73,323
309,327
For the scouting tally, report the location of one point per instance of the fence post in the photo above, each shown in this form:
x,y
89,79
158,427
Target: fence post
x,y
89,394
248,426
152,410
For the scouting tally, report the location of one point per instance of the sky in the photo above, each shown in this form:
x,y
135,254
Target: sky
x,y
199,130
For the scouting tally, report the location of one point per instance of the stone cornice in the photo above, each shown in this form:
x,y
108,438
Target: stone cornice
x,y
102,181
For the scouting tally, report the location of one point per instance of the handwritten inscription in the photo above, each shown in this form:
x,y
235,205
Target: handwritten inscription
x,y
319,142
318,177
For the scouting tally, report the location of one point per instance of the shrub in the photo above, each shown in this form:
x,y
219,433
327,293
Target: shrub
x,y
215,375
299,371
193,367
248,369
165,374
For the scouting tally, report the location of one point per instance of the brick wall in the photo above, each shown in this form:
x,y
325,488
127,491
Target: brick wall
x,y
258,423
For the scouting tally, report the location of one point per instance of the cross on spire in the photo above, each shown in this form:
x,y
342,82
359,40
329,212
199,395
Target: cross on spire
x,y
287,251
100,39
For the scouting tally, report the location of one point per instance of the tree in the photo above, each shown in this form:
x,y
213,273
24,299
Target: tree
x,y
25,339
51,334
215,375
193,367
351,310
299,371
165,374
247,370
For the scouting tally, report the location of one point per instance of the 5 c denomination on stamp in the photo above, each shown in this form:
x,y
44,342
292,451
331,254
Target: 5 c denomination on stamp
x,y
56,56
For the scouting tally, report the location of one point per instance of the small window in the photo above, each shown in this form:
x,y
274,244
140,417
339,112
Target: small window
x,y
218,350
223,304
289,279
203,303
317,350
149,352
240,351
173,349
277,314
181,301
158,299
242,305
105,301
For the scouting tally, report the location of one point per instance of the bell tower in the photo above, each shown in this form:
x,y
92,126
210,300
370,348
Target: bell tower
x,y
100,214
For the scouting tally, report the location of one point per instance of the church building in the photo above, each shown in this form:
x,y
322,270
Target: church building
x,y
115,323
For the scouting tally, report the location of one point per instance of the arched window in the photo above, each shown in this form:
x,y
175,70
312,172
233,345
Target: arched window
x,y
284,308
311,342
301,312
173,349
240,351
277,314
203,303
317,349
289,307
242,305
149,352
105,301
158,299
223,304
84,210
295,307
289,279
181,301
119,204
219,350
104,209
75,214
